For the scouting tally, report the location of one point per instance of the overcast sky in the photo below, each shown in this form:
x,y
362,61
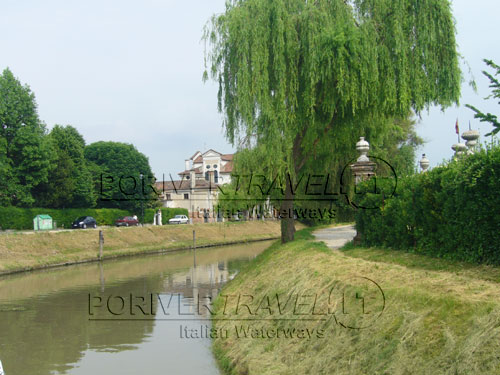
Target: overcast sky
x,y
131,72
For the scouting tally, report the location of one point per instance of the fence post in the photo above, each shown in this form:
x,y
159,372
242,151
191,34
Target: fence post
x,y
101,243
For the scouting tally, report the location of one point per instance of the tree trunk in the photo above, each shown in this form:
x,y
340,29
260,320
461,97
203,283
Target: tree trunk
x,y
287,221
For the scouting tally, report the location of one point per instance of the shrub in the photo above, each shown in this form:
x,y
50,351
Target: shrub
x,y
451,211
22,218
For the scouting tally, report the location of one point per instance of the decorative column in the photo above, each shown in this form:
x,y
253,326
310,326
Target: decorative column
x,y
470,136
363,169
459,149
159,220
424,163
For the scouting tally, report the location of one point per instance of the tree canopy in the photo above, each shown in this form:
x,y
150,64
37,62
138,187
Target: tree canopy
x,y
116,169
69,182
24,149
304,79
57,169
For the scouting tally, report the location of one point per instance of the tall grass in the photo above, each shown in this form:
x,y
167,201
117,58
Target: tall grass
x,y
433,322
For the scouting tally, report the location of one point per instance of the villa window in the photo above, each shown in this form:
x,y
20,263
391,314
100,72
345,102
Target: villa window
x,y
186,196
206,176
169,197
216,177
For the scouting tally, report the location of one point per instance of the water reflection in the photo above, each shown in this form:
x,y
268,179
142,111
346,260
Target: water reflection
x,y
44,316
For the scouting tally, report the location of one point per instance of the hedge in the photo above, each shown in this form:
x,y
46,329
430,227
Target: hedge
x,y
451,211
22,218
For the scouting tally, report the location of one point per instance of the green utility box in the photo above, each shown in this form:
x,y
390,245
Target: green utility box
x,y
42,222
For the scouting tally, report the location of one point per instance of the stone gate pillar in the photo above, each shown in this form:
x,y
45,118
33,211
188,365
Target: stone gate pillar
x,y
363,169
158,220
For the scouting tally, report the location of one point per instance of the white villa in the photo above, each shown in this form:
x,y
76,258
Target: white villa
x,y
197,190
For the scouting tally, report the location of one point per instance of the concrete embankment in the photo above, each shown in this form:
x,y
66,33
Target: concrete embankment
x,y
33,250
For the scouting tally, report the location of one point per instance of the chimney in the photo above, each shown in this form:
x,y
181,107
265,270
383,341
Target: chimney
x,y
192,178
187,165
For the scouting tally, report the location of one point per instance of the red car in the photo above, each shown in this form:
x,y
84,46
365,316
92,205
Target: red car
x,y
126,221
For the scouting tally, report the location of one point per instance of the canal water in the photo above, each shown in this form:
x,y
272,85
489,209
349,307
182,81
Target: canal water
x,y
129,316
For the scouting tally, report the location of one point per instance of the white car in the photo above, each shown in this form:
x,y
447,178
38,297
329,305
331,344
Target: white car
x,y
179,219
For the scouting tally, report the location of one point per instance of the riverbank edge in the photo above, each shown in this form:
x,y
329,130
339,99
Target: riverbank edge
x,y
154,250
422,263
224,363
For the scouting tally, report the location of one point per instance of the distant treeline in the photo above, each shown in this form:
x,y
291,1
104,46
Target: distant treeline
x,y
57,169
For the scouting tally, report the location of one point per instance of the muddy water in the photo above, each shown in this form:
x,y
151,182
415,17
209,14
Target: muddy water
x,y
127,316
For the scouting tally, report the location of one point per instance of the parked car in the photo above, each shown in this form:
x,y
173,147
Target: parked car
x,y
84,222
126,221
179,219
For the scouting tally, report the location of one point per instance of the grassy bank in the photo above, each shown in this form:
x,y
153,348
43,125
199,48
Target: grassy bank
x,y
416,261
23,251
432,318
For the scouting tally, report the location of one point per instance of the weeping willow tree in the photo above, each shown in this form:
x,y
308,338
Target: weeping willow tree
x,y
303,79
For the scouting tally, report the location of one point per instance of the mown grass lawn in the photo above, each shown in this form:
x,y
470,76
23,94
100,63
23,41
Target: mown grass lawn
x,y
416,261
438,317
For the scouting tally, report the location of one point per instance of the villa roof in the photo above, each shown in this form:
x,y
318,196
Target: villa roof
x,y
196,153
187,172
217,152
199,159
227,168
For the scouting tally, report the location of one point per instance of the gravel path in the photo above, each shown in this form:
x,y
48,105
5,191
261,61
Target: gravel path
x,y
335,237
